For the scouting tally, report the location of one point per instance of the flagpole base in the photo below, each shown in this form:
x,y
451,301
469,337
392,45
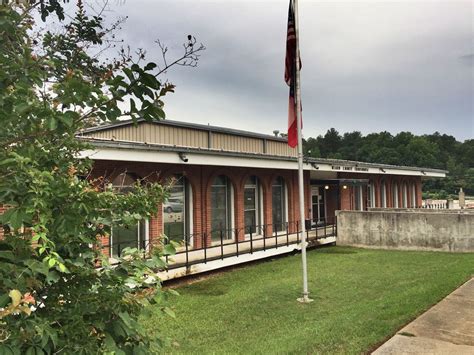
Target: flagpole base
x,y
305,299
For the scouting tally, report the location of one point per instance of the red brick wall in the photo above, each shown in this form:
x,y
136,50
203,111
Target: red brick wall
x,y
201,177
347,195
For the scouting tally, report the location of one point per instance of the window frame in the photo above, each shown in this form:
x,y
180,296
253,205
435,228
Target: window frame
x,y
229,203
188,215
257,186
284,202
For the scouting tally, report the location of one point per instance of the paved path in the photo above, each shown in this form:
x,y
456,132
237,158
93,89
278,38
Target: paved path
x,y
447,328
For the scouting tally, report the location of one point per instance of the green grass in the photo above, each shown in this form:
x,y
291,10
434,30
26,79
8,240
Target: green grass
x,y
361,297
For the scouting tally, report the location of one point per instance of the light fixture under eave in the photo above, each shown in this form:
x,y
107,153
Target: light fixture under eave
x,y
344,187
423,172
326,187
183,157
382,170
315,166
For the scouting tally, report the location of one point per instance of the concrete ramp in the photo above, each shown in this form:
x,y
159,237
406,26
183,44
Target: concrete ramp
x,y
446,328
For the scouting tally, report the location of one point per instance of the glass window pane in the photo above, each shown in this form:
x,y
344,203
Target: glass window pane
x,y
278,205
220,209
174,211
123,238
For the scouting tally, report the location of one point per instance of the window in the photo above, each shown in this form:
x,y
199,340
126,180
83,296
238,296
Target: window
x,y
279,209
177,211
358,198
383,194
318,204
252,206
221,209
135,236
371,195
128,237
413,195
405,196
395,195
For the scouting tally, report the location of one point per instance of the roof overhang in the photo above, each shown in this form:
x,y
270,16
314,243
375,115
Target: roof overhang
x,y
340,182
152,153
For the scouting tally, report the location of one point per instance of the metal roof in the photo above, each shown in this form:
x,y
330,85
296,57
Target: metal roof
x,y
202,127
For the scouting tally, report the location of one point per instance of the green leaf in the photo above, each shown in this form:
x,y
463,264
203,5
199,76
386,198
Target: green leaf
x,y
150,66
8,255
52,262
52,123
169,312
169,249
4,300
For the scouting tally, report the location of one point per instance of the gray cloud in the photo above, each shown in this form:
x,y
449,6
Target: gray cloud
x,y
367,66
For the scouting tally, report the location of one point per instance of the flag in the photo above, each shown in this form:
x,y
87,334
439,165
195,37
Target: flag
x,y
290,76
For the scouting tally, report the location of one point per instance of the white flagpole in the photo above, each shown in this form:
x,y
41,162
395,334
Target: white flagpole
x,y
305,297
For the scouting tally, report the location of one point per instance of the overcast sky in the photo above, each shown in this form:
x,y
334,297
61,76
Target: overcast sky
x,y
367,65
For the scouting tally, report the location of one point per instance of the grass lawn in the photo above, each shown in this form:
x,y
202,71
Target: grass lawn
x,y
361,297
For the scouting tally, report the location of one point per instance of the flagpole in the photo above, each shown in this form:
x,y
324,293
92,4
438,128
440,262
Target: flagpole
x,y
305,297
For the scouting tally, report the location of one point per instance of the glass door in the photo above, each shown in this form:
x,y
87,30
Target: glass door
x,y
251,206
318,204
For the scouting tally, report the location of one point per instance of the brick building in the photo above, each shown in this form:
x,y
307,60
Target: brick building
x,y
232,186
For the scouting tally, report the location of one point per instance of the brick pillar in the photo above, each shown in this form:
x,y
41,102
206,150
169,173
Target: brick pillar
x,y
239,226
155,226
419,197
345,196
267,205
198,203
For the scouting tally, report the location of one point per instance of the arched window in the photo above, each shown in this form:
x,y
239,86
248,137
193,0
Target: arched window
x,y
124,182
413,195
358,198
135,236
371,195
178,211
405,195
253,206
279,204
395,195
222,212
383,194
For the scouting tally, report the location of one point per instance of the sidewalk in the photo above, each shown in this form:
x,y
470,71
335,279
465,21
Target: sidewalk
x,y
446,328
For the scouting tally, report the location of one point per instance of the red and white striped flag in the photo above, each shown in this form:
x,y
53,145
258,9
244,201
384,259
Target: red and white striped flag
x,y
290,76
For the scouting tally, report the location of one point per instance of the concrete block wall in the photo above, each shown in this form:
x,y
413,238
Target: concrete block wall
x,y
407,230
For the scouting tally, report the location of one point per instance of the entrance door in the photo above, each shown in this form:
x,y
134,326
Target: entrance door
x,y
318,204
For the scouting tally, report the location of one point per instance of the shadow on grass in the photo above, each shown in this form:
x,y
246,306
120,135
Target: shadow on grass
x,y
334,250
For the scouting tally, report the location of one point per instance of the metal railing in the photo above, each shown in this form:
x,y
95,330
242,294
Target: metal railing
x,y
437,206
220,244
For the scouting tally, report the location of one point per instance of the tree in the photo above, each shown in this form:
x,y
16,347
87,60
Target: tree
x,y
58,294
331,143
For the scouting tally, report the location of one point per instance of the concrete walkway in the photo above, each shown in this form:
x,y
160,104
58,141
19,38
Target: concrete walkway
x,y
447,328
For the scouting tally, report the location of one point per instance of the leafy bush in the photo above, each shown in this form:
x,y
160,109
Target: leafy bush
x,y
58,294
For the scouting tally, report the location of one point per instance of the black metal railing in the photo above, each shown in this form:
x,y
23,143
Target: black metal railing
x,y
204,247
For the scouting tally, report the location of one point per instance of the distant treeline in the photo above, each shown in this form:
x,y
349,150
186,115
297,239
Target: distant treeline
x,y
439,151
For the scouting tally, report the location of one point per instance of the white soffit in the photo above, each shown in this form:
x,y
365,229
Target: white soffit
x,y
170,157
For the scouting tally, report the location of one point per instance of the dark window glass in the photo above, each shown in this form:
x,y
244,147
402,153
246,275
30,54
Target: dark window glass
x,y
252,206
127,237
279,205
221,209
177,212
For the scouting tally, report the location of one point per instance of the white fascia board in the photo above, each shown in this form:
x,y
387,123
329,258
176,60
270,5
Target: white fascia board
x,y
170,157
193,158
